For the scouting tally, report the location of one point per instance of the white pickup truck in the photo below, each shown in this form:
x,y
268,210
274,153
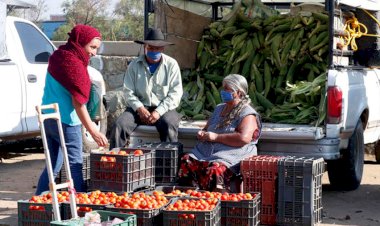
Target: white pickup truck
x,y
24,53
353,118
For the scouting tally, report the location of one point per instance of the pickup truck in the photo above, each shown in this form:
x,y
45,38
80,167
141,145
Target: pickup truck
x,y
352,120
23,64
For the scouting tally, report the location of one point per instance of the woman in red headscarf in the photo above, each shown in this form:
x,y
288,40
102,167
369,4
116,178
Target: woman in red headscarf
x,y
68,84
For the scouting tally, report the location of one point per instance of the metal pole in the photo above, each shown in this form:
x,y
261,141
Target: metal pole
x,y
146,17
331,10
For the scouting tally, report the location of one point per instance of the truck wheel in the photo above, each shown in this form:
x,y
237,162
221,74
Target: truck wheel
x,y
346,173
377,151
88,142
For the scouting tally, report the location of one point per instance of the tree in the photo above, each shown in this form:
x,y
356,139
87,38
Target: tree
x,y
34,13
131,13
87,12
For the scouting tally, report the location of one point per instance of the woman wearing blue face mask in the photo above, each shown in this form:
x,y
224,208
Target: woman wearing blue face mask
x,y
230,135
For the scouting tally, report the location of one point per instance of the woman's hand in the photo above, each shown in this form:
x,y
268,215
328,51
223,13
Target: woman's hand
x,y
100,139
207,136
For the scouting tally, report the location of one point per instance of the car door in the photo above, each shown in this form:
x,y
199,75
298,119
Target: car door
x,y
36,49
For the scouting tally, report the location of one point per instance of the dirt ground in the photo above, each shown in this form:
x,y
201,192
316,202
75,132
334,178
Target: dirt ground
x,y
19,174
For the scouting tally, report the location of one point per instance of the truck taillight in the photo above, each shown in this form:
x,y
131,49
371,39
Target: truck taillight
x,y
334,105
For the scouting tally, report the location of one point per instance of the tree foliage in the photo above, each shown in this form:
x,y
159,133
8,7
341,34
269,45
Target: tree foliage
x,y
125,23
131,13
33,14
88,12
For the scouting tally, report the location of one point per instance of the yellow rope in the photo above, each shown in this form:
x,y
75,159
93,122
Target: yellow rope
x,y
353,30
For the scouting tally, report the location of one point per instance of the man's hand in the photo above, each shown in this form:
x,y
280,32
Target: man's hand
x,y
144,114
154,116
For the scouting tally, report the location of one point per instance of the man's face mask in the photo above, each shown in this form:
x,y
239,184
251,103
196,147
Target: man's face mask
x,y
153,55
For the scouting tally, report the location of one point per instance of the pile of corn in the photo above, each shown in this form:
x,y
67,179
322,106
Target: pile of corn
x,y
283,57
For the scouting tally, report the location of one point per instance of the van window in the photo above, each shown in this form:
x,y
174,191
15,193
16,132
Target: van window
x,y
37,48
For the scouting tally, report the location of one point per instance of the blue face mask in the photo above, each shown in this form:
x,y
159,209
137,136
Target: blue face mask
x,y
153,55
226,96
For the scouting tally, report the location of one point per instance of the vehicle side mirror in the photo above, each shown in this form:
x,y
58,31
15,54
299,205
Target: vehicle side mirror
x,y
42,57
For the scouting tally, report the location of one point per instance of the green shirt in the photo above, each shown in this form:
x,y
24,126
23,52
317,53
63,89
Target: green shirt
x,y
162,89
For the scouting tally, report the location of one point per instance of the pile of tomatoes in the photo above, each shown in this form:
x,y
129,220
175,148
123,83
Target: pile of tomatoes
x,y
141,200
193,205
47,198
223,196
109,162
174,192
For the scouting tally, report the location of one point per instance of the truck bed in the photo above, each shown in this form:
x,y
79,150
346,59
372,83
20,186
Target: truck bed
x,y
276,139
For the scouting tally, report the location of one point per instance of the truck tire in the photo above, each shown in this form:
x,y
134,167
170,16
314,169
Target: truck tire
x,y
88,142
346,173
377,151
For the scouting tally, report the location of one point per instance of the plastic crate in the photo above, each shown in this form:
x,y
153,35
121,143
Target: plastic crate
x,y
150,217
201,218
30,217
62,177
122,173
167,155
260,174
244,212
300,191
129,219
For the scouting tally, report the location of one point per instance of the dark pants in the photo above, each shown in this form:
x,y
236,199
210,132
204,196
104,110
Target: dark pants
x,y
167,127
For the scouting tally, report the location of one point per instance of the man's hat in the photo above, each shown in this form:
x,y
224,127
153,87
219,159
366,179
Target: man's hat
x,y
154,38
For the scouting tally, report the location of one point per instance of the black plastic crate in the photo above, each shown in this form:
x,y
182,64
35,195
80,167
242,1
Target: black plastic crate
x,y
62,177
122,173
167,156
28,214
198,218
300,191
243,212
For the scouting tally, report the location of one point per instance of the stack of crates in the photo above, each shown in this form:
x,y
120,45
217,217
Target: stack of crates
x,y
122,173
260,175
62,177
300,191
166,161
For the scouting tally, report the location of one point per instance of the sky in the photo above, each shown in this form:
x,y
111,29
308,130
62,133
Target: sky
x,y
54,6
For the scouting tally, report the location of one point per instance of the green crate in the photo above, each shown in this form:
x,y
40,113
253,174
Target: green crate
x,y
129,219
27,215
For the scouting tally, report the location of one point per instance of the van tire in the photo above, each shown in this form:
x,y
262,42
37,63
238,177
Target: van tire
x,y
88,142
346,173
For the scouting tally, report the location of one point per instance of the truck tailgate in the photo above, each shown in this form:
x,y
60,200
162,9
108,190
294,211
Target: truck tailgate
x,y
291,132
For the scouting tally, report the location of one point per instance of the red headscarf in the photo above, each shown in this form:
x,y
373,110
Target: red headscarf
x,y
68,64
